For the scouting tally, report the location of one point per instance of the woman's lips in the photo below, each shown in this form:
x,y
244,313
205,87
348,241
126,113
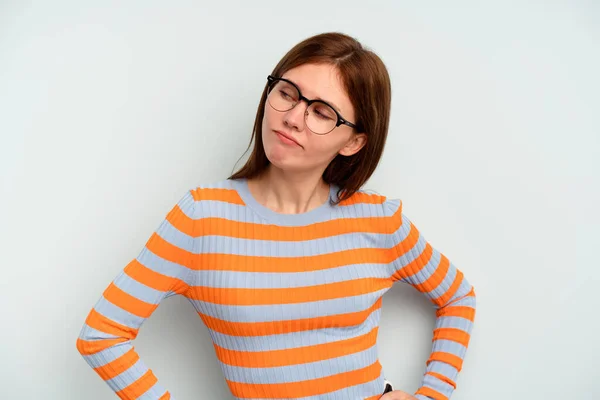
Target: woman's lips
x,y
286,139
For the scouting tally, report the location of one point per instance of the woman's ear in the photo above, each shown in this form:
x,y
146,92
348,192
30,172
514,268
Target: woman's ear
x,y
354,144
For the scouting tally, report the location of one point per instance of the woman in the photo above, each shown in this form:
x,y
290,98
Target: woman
x,y
287,260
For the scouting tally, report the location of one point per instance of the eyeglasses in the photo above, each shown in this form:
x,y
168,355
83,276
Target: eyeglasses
x,y
321,118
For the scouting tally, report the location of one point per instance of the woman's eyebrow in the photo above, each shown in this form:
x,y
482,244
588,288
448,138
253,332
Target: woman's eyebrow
x,y
318,98
330,103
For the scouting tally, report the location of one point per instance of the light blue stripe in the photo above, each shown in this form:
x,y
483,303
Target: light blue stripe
x,y
426,272
469,301
454,322
174,236
449,346
442,368
187,204
138,290
242,213
288,312
215,244
447,281
155,392
295,339
411,254
276,280
90,334
438,385
464,288
127,377
162,266
117,314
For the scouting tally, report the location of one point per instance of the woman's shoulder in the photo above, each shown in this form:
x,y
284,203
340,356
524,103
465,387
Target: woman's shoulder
x,y
207,186
202,196
223,189
375,201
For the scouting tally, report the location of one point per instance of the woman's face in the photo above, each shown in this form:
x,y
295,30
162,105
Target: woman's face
x,y
308,151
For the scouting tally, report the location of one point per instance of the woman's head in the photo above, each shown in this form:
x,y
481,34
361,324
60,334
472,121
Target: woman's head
x,y
342,136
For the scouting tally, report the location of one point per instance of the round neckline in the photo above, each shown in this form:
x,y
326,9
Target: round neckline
x,y
317,214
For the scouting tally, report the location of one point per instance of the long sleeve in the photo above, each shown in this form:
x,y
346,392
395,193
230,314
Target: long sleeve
x,y
417,263
161,269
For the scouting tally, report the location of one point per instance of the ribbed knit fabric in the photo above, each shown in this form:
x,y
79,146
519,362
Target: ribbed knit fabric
x,y
292,301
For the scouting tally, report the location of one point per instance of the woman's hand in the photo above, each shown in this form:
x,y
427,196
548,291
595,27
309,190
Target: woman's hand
x,y
397,395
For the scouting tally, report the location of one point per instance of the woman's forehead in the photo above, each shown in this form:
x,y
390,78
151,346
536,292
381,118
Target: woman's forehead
x,y
320,81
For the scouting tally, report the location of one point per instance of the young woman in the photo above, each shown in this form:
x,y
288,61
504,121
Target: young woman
x,y
287,260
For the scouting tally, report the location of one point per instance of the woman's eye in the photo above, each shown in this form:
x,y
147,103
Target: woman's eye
x,y
320,115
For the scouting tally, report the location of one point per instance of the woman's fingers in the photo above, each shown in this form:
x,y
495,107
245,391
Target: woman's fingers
x,y
397,395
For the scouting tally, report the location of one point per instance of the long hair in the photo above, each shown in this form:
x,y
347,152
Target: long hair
x,y
367,83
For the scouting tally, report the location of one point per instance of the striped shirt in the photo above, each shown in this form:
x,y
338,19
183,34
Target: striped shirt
x,y
292,301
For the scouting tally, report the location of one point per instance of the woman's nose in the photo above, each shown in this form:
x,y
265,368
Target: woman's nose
x,y
296,116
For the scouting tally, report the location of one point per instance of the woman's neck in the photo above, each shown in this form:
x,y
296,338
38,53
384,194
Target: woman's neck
x,y
289,193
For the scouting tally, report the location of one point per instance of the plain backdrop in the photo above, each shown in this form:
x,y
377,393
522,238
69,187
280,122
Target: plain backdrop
x,y
110,111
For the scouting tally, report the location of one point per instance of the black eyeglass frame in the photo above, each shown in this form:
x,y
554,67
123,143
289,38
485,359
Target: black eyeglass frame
x,y
340,120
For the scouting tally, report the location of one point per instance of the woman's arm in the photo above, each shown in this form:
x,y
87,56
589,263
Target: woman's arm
x,y
161,269
416,262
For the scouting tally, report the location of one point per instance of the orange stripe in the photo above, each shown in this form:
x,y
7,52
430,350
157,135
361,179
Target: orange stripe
x,y
471,292
428,392
299,355
454,334
153,279
457,311
437,277
128,302
363,198
281,327
139,387
89,347
118,366
181,221
107,325
253,297
218,194
416,265
404,247
166,396
443,299
312,387
168,251
442,378
448,358
319,230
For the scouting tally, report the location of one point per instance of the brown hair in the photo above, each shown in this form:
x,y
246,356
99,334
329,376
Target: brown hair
x,y
367,83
